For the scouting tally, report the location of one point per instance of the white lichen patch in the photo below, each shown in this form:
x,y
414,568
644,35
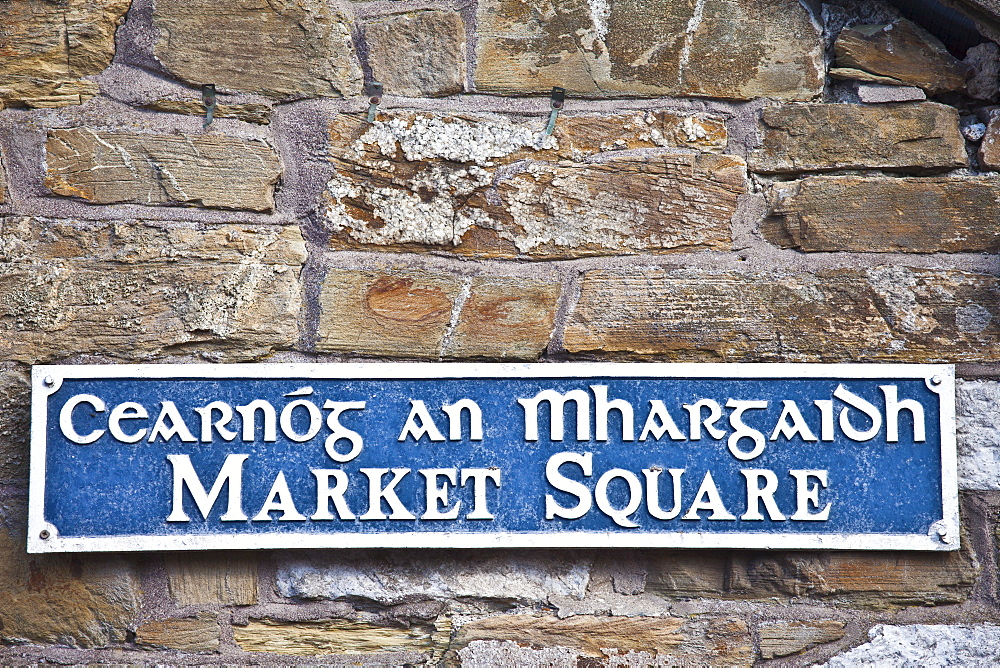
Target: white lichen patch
x,y
897,286
456,139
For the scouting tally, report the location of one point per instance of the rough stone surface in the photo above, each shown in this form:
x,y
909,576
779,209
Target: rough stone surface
x,y
418,314
134,291
876,93
984,60
198,634
507,318
78,600
904,51
48,47
715,48
212,579
978,434
989,150
817,137
418,54
199,170
878,580
279,48
340,636
377,313
488,187
927,645
392,578
706,641
15,420
259,114
785,638
877,214
889,313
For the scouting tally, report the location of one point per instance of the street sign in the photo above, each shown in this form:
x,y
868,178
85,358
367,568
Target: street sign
x,y
172,457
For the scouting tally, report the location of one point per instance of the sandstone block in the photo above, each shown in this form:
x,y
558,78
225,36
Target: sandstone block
x,y
79,600
48,47
862,579
231,292
785,638
989,150
279,48
717,48
378,313
489,187
886,313
418,54
876,214
259,114
704,641
418,314
818,137
978,434
202,170
198,634
211,579
340,636
396,578
984,60
15,421
904,51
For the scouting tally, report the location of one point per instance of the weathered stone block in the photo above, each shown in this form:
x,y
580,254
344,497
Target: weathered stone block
x,y
488,187
715,48
259,114
48,47
279,48
340,636
80,600
904,51
419,53
978,434
877,93
198,634
15,420
202,170
785,638
77,288
878,214
507,318
863,579
379,313
819,137
704,641
889,313
989,149
418,314
211,579
396,578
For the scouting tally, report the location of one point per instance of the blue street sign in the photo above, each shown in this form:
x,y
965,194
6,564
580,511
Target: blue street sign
x,y
174,457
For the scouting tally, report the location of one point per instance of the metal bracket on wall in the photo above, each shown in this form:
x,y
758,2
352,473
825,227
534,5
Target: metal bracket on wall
x,y
557,100
209,100
374,92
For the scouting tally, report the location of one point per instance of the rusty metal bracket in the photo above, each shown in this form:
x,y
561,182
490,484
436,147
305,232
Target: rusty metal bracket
x,y
556,101
374,92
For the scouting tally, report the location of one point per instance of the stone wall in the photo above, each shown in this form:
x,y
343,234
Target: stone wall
x,y
730,180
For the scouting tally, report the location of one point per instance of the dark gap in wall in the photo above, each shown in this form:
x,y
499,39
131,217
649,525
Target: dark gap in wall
x,y
956,30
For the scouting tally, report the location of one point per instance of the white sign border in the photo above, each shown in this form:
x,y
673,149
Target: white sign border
x,y
43,537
